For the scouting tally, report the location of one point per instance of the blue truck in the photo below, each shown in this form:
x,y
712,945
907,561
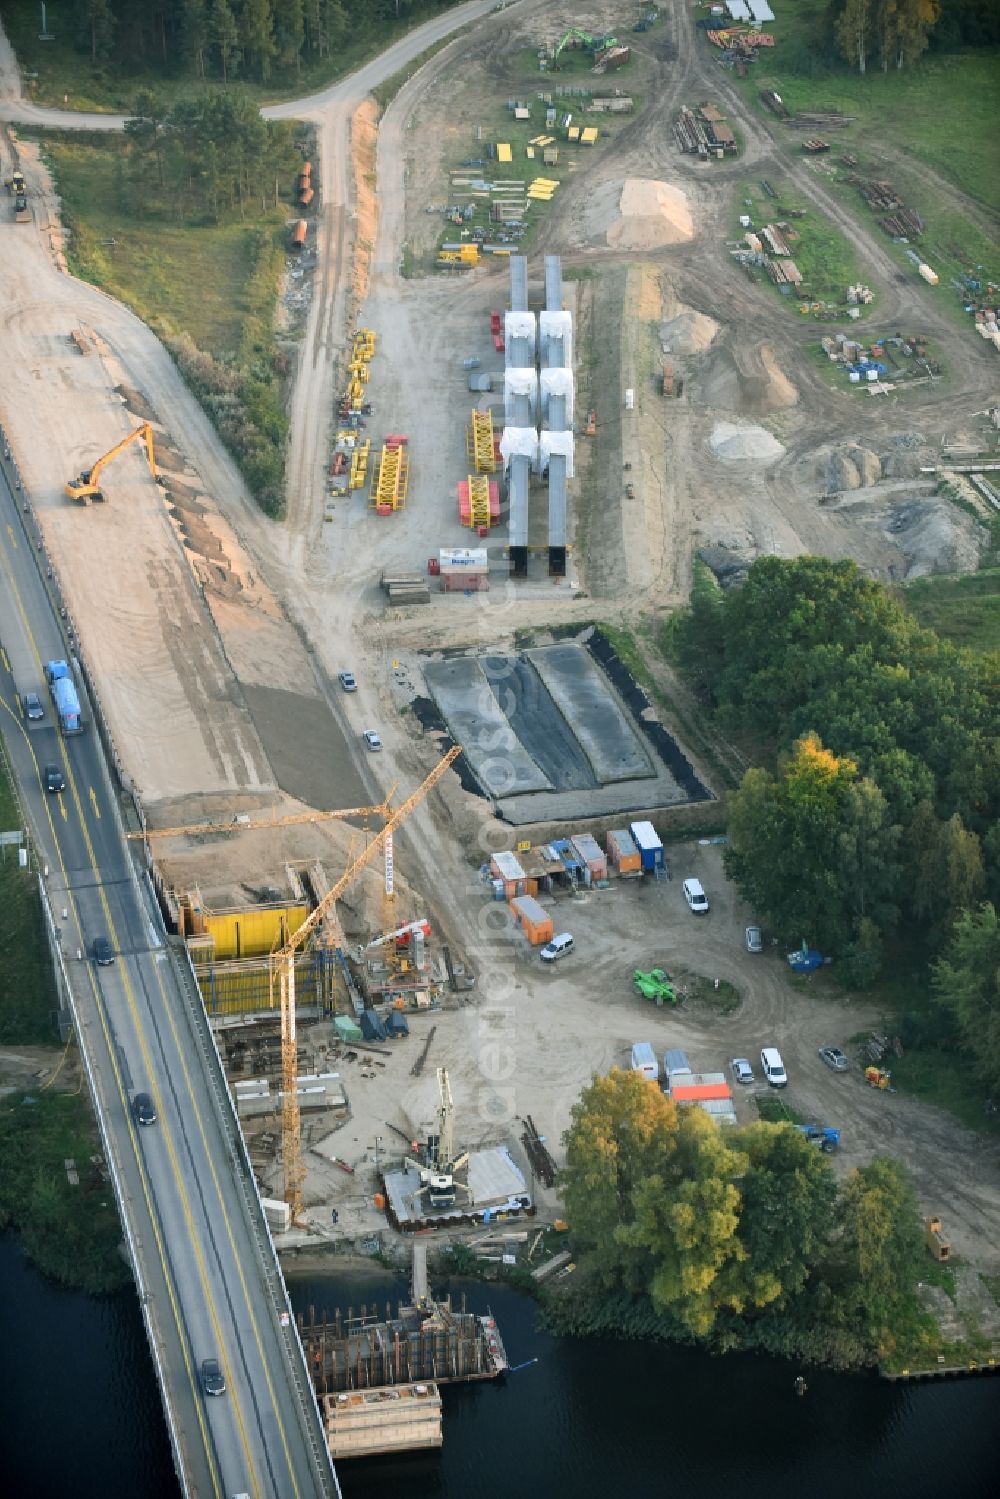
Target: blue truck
x,y
823,1135
64,695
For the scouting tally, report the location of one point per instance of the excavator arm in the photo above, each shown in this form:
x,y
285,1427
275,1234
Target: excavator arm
x,y
87,486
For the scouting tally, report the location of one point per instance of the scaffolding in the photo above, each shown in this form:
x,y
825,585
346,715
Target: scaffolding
x,y
479,442
392,478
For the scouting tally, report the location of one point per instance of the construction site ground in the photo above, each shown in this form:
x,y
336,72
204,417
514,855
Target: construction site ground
x,y
215,636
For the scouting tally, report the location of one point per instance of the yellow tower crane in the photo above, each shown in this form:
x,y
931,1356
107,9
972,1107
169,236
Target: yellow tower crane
x,y
87,487
247,824
282,971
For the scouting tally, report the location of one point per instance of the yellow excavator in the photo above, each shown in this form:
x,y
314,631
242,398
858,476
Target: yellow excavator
x,y
87,487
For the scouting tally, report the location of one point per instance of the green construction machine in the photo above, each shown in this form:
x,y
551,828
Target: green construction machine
x,y
584,39
655,985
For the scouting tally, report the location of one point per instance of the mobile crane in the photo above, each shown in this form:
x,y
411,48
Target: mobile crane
x,y
87,487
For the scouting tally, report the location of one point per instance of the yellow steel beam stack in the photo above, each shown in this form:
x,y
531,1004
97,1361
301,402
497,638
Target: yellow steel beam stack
x,y
479,502
479,442
391,480
359,464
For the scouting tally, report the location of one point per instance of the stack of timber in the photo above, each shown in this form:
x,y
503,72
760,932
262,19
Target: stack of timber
x,y
405,587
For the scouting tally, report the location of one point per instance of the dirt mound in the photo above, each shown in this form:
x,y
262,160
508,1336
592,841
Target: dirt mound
x,y
688,333
851,467
779,392
738,442
639,213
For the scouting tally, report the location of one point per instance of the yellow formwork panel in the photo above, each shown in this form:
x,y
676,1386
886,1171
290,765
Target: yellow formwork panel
x,y
253,932
504,152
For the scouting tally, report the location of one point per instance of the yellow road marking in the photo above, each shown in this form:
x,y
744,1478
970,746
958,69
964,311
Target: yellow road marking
x,y
93,802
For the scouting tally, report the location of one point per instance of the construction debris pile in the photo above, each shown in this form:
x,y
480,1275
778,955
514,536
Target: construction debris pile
x,y
768,248
895,358
899,222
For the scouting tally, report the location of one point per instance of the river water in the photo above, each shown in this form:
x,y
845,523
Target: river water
x,y
591,1419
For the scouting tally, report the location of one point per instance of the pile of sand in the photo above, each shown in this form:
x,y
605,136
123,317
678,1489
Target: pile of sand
x,y
780,391
737,442
688,333
638,213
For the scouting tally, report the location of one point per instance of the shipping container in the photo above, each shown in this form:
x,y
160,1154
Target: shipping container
x,y
504,866
594,860
649,846
622,852
534,921
675,1061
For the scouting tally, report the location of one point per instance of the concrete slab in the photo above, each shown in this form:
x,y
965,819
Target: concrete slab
x,y
464,695
586,699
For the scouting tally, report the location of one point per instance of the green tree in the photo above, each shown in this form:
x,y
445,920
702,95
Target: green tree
x,y
97,27
290,32
852,31
880,1249
145,133
811,848
966,981
226,36
258,33
944,868
788,1209
196,33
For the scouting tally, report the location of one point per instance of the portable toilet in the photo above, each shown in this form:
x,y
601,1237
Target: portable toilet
x,y
649,846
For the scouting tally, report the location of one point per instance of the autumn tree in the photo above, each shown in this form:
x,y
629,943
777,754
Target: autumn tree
x,y
852,31
811,846
876,1257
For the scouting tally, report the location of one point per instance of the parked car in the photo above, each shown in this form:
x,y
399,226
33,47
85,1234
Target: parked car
x,y
742,1071
372,740
213,1380
561,944
104,953
348,682
755,939
695,895
54,778
33,706
835,1058
773,1067
144,1109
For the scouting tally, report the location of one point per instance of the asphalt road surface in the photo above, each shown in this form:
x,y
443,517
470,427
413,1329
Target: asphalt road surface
x,y
208,1285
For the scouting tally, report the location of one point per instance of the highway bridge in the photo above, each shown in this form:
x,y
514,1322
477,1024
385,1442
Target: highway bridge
x,y
206,1274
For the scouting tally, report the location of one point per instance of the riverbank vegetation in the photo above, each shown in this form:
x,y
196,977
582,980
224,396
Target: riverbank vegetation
x,y
70,1230
735,1239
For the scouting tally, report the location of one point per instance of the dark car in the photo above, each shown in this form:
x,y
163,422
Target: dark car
x,y
54,778
33,706
212,1378
104,953
144,1109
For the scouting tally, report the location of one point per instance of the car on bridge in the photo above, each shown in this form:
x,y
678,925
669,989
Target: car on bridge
x,y
104,953
144,1109
372,740
32,705
213,1381
54,778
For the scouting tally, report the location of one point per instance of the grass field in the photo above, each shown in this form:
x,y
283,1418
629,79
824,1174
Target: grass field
x,y
61,70
824,256
942,109
964,609
27,993
178,276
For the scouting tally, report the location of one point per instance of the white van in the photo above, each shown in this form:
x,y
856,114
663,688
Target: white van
x,y
644,1060
560,945
695,895
773,1067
